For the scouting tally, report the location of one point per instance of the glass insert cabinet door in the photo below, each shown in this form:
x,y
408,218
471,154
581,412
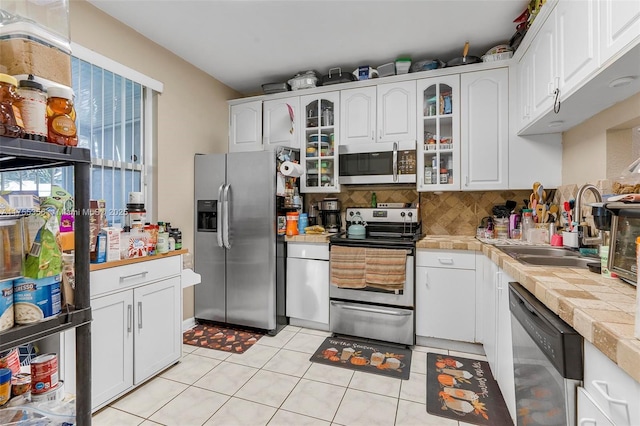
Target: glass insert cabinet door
x,y
319,148
438,133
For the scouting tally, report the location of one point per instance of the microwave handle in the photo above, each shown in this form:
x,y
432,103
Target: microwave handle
x,y
395,161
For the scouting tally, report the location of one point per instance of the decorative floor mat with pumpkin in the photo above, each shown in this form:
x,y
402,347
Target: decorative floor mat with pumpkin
x,y
464,389
370,357
223,339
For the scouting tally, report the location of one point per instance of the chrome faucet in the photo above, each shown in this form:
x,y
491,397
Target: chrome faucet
x,y
585,239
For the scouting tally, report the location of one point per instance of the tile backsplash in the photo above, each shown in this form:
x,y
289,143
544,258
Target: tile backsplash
x,y
447,213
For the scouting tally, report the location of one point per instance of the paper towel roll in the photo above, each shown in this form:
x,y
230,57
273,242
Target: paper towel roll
x,y
291,169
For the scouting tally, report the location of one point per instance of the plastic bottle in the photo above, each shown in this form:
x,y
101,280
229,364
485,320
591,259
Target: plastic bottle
x,y
11,124
33,108
527,224
374,200
61,116
303,222
292,224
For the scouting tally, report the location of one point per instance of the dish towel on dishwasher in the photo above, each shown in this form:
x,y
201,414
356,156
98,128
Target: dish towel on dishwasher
x,y
385,268
347,266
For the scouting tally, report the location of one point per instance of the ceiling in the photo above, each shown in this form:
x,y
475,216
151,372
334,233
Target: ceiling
x,y
245,44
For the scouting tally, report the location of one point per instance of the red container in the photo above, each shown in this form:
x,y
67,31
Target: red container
x,y
44,373
10,360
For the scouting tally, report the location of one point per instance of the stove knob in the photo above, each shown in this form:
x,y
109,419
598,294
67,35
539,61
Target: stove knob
x,y
402,214
410,214
350,213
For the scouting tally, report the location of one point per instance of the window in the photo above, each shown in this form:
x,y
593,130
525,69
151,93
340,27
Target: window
x,y
110,122
112,104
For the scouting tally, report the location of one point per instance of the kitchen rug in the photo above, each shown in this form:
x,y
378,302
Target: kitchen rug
x,y
368,357
222,339
464,389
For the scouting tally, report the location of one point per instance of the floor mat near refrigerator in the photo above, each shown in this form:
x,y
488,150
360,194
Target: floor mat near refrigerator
x,y
464,389
223,339
368,357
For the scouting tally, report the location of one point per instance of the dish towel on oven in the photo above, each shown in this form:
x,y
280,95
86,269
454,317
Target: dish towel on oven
x,y
385,268
347,266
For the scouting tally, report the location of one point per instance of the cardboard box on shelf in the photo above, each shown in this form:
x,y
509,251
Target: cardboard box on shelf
x,y
113,243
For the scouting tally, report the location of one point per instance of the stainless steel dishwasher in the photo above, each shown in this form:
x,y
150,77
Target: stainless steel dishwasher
x,y
547,362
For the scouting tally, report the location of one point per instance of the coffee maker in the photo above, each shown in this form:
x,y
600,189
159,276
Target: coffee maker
x,y
330,214
314,213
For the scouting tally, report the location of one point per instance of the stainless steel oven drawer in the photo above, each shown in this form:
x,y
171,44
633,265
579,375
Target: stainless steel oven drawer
x,y
389,324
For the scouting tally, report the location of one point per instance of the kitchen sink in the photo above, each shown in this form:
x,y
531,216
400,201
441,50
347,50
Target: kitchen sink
x,y
568,261
548,256
538,251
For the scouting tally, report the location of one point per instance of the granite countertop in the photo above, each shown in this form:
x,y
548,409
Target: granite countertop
x,y
601,309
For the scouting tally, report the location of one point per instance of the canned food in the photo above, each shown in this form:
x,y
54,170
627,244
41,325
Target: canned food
x,y
10,359
44,373
36,299
5,385
20,384
55,394
6,304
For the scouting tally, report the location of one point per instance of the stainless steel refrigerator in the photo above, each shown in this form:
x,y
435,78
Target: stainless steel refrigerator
x,y
237,250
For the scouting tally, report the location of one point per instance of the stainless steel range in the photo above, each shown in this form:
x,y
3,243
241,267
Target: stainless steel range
x,y
372,288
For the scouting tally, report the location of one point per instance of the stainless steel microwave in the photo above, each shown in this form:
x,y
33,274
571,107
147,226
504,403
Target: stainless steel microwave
x,y
382,162
625,228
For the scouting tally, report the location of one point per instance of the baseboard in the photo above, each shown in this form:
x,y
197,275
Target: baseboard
x,y
452,345
188,324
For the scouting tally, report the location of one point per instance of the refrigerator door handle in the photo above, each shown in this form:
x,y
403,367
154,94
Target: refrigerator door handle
x,y
219,216
225,225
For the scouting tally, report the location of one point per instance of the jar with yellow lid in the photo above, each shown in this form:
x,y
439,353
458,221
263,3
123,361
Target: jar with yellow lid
x,y
11,124
61,116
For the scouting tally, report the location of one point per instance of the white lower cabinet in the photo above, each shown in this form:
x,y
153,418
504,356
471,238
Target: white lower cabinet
x,y
496,329
112,347
308,282
445,294
136,330
589,414
614,392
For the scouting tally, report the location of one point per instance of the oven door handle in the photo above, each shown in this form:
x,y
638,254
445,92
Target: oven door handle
x,y
371,310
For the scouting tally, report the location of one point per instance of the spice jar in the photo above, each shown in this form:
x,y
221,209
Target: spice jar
x,y
11,124
61,116
33,108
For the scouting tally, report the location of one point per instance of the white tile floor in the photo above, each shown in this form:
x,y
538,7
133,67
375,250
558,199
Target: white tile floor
x,y
211,387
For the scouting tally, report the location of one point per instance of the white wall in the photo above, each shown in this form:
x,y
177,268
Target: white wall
x,y
587,150
192,111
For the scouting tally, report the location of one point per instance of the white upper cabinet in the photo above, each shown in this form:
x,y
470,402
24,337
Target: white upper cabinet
x,y
245,127
281,122
573,42
319,145
396,117
619,25
577,37
438,126
542,54
382,113
358,115
484,121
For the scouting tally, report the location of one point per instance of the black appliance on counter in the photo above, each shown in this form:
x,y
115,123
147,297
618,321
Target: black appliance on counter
x,y
372,312
625,227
